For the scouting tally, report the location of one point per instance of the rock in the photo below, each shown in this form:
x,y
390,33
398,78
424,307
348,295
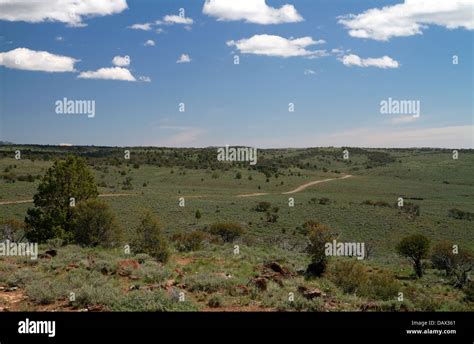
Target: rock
x,y
169,284
44,256
371,306
125,264
134,287
11,289
315,269
310,293
72,266
52,253
134,278
260,283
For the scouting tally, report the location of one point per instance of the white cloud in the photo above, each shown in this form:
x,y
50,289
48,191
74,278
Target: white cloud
x,y
184,58
159,30
438,137
59,38
251,11
71,12
112,73
184,136
144,26
149,43
270,45
309,72
121,61
380,62
144,78
404,119
26,59
175,19
409,18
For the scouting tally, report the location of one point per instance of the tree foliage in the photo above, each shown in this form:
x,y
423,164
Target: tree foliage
x,y
66,183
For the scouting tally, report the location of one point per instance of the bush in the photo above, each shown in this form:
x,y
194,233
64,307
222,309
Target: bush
x,y
149,301
349,275
208,283
52,213
186,242
318,236
469,291
410,208
460,214
263,207
228,231
42,291
463,265
95,224
12,229
443,257
415,247
324,201
215,301
381,285
149,238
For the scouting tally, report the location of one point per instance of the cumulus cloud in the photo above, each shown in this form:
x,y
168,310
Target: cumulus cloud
x,y
144,78
175,19
112,73
409,18
184,58
251,11
71,12
270,45
121,61
380,62
149,43
309,72
144,26
43,61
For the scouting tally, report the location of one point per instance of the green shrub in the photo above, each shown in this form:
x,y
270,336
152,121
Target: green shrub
x,y
381,285
443,257
263,207
415,247
149,238
149,301
228,231
460,214
349,275
186,242
43,291
50,218
318,236
204,282
215,301
469,291
95,224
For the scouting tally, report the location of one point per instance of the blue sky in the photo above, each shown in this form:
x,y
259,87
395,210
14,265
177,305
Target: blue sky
x,y
336,93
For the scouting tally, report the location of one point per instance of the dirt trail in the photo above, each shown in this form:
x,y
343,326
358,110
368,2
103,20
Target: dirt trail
x,y
298,189
253,194
102,195
307,185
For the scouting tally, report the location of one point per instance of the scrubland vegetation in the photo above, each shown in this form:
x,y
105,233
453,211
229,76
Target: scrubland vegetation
x,y
126,244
